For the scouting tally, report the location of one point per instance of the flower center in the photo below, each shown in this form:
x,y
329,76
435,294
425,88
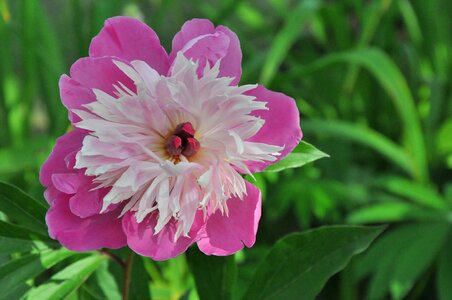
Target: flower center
x,y
182,141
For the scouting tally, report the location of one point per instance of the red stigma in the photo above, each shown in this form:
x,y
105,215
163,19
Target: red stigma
x,y
191,147
185,130
182,141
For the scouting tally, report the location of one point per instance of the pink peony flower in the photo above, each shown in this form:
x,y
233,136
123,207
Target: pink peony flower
x,y
160,144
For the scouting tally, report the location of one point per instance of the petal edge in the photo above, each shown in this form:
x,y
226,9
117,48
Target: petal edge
x,y
224,235
282,124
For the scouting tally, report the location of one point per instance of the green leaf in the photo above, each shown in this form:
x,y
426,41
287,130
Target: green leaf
x,y
215,276
139,289
371,20
410,19
17,232
284,39
444,278
12,245
22,209
68,280
247,261
17,271
419,194
391,211
107,283
302,154
402,255
301,263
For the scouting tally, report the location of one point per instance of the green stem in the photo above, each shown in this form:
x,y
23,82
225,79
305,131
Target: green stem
x,y
127,274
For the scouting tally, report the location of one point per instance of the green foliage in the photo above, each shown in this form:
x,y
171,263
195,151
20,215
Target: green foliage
x,y
390,78
389,211
24,216
214,276
284,39
403,255
15,272
302,154
107,282
364,136
21,209
68,280
371,79
301,263
445,272
139,289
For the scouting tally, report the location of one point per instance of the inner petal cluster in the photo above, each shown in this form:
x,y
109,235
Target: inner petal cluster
x,y
172,145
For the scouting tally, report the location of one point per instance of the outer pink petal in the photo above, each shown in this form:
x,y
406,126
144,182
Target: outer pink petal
x,y
84,234
50,194
56,162
231,64
190,30
67,183
85,200
73,95
225,235
130,39
141,238
207,49
282,124
88,74
100,73
86,203
58,175
231,61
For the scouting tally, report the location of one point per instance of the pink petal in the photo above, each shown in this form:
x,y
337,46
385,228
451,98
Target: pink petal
x,y
231,64
77,234
282,124
88,74
190,30
56,164
190,40
86,203
141,238
225,235
58,175
73,95
130,39
67,183
100,73
207,49
50,194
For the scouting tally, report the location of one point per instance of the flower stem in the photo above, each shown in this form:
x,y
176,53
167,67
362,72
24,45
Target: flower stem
x,y
127,276
113,257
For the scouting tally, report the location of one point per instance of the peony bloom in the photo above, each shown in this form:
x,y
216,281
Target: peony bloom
x,y
161,142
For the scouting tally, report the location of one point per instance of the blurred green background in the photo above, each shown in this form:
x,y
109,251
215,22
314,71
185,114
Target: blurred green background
x,y
372,82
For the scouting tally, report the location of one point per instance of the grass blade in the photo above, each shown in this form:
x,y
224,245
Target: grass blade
x,y
392,80
304,12
364,136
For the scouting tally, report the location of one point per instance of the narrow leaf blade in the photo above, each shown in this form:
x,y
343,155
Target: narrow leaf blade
x,y
22,209
304,12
